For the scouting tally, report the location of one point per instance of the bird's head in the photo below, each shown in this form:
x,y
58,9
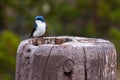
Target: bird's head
x,y
40,18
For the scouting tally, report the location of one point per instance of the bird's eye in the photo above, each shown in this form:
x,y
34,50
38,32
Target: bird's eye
x,y
38,19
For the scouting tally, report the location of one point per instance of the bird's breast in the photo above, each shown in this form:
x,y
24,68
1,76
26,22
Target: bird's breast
x,y
40,30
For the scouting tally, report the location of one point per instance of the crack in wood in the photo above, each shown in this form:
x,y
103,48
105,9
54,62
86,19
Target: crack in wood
x,y
85,67
46,63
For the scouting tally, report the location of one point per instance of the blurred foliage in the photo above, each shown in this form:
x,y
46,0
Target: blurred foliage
x,y
8,46
89,18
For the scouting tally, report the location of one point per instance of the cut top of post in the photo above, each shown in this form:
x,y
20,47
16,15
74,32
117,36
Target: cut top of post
x,y
65,40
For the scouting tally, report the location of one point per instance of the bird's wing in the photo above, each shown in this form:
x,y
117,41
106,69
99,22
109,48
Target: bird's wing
x,y
31,35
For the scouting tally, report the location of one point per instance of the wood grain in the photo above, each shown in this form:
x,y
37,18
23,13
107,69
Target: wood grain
x,y
66,58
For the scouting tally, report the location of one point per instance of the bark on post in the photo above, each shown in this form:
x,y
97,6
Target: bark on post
x,y
66,58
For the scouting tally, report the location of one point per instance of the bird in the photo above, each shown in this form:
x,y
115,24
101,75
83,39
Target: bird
x,y
39,28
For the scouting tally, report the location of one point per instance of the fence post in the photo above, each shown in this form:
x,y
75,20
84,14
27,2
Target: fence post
x,y
66,58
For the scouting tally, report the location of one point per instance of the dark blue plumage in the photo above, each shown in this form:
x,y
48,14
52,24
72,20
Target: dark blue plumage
x,y
39,18
35,25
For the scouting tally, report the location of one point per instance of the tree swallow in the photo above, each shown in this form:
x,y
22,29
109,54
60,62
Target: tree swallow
x,y
39,28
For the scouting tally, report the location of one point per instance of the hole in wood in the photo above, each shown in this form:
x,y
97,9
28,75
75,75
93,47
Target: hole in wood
x,y
27,58
28,50
68,73
48,40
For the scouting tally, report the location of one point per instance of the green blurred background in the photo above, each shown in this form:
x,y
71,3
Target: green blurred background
x,y
85,18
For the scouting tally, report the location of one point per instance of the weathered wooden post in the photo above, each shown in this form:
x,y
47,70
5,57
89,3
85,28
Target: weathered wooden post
x,y
66,58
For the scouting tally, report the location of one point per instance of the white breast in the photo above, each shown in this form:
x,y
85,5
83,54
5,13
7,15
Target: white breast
x,y
40,29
